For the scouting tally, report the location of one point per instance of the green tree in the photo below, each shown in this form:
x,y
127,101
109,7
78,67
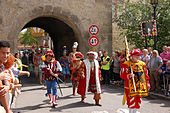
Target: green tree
x,y
28,39
130,16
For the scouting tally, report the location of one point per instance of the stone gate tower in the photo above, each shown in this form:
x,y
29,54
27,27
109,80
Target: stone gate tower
x,y
66,21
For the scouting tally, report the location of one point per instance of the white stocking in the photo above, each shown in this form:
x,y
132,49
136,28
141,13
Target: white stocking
x,y
130,110
133,110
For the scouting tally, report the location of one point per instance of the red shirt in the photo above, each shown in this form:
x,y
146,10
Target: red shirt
x,y
164,55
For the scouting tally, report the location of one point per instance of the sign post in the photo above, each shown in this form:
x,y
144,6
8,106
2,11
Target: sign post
x,y
93,41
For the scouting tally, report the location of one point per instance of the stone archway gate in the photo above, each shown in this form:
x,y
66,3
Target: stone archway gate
x,y
78,14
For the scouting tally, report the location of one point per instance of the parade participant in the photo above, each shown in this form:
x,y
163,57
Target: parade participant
x,y
64,61
51,69
74,51
75,65
72,54
90,78
37,61
134,72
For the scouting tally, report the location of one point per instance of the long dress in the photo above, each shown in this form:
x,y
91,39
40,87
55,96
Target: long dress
x,y
64,61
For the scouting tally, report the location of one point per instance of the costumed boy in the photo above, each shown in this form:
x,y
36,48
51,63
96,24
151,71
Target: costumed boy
x,y
135,74
51,69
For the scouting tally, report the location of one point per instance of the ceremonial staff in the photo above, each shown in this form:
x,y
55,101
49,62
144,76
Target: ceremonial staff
x,y
127,58
56,76
59,88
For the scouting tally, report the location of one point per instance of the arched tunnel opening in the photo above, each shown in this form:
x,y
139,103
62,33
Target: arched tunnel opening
x,y
60,33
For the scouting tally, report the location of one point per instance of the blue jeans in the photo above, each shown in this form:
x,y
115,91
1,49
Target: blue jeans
x,y
51,86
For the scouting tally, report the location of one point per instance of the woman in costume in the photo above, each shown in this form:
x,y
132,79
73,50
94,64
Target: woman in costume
x,y
64,61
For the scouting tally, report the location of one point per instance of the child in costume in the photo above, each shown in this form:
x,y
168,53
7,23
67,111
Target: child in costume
x,y
51,69
135,74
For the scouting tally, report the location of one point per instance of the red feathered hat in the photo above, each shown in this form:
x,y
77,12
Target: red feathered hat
x,y
136,52
49,52
79,54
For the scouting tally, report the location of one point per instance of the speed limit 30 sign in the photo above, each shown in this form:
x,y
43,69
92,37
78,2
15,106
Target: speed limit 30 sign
x,y
93,29
93,41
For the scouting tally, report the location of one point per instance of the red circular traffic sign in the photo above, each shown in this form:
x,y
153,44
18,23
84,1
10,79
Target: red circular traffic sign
x,y
93,41
93,29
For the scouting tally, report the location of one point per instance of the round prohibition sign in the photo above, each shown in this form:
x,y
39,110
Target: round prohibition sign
x,y
93,29
93,41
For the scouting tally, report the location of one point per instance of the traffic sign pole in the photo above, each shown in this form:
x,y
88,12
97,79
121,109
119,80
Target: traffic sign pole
x,y
93,48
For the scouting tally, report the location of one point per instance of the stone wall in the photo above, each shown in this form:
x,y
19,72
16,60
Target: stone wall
x,y
78,14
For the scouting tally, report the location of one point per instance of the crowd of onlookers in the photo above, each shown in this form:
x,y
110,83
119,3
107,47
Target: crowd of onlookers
x,y
158,66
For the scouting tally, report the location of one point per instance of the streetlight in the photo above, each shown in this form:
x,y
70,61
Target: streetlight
x,y
154,3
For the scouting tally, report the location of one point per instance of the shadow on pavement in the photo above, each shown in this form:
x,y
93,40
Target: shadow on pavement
x,y
69,97
72,105
25,90
35,107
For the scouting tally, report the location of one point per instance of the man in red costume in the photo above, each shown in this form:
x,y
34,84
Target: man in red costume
x,y
90,78
134,68
75,65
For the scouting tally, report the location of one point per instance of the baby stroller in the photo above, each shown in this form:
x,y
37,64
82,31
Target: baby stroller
x,y
166,75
